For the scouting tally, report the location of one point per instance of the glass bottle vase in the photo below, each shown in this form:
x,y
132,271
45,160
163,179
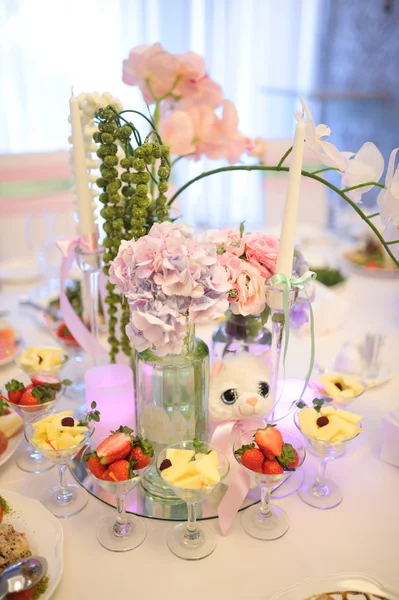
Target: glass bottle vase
x,y
171,395
240,333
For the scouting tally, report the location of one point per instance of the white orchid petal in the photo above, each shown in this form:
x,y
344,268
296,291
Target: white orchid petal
x,y
370,155
305,109
322,131
335,156
390,176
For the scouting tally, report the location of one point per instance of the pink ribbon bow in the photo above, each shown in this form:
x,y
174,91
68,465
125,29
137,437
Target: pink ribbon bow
x,y
75,325
236,493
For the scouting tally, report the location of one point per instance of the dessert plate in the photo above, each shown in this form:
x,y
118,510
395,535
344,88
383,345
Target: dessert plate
x,y
13,444
344,586
43,530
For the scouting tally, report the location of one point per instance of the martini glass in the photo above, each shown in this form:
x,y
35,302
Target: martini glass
x,y
193,540
65,499
266,521
126,532
319,491
30,459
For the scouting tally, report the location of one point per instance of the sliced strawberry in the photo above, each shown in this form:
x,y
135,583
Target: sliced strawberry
x,y
270,441
95,467
115,447
46,380
251,457
23,595
272,467
15,390
118,471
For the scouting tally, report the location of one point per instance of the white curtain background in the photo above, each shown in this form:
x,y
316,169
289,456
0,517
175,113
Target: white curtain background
x,y
250,46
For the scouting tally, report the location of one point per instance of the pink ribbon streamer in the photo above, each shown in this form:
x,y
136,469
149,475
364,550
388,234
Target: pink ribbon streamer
x,y
236,493
75,325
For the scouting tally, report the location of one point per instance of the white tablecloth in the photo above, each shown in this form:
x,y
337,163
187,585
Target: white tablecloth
x,y
362,534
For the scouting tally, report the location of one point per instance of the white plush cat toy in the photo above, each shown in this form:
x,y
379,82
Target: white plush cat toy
x,y
239,396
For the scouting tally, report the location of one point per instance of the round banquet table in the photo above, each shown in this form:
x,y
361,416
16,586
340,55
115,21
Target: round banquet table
x,y
362,534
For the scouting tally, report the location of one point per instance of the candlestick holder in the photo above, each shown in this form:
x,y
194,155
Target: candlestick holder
x,y
90,263
275,301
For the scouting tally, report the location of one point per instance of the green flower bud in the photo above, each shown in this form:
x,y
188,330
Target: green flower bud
x,y
106,149
108,242
139,164
107,227
111,160
107,138
127,163
107,257
97,136
114,199
108,173
100,182
117,224
107,127
141,189
163,172
126,177
156,151
104,197
124,132
114,186
106,212
148,148
142,177
139,152
163,186
127,191
165,150
112,310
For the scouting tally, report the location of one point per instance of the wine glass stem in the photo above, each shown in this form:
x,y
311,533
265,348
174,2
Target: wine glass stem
x,y
319,487
264,511
64,494
122,526
192,532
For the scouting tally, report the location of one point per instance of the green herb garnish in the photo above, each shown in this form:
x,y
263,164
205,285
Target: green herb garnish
x,y
199,447
41,588
4,506
317,404
93,415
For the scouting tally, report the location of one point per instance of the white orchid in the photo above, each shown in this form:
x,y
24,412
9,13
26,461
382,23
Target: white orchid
x,y
366,165
388,204
316,139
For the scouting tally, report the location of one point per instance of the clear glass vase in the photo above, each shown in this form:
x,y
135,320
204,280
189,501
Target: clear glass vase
x,y
171,395
241,334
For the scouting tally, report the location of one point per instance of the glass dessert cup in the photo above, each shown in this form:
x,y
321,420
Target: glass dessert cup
x,y
127,531
54,370
266,521
321,492
65,499
30,459
335,401
72,348
193,540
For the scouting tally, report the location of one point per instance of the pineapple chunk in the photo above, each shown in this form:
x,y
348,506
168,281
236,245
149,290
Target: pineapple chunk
x,y
307,421
348,416
73,431
327,432
178,471
195,482
207,468
50,418
66,441
212,456
183,456
327,410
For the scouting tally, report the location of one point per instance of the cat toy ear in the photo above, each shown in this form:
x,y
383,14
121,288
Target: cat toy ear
x,y
216,368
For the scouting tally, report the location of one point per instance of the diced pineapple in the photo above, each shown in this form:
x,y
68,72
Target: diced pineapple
x,y
307,421
348,429
349,416
178,470
327,432
77,430
327,410
50,418
177,455
208,468
66,441
212,456
195,482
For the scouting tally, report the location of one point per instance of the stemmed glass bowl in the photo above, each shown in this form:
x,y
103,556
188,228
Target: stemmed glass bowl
x,y
321,492
193,540
65,499
126,532
266,521
40,368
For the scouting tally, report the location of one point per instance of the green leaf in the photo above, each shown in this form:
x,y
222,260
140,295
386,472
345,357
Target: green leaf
x,y
244,449
14,386
93,404
242,228
66,382
287,455
317,404
300,404
43,393
199,447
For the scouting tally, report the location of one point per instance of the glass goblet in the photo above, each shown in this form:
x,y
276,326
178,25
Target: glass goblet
x,y
192,540
321,492
65,499
40,367
30,459
126,532
266,521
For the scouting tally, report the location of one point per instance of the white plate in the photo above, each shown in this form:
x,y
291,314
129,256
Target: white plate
x,y
43,530
13,444
355,582
8,359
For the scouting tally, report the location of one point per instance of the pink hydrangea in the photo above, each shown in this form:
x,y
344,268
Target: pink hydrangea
x,y
170,279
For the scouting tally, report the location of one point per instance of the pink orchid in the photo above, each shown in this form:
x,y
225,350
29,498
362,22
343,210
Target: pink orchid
x,y
258,149
152,69
231,144
199,122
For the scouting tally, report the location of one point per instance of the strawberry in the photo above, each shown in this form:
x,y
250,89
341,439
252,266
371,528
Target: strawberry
x,y
64,333
114,447
39,394
251,458
94,465
141,453
118,471
15,390
48,380
272,467
23,595
288,458
270,441
3,443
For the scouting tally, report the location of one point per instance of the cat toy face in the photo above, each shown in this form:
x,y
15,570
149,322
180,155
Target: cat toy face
x,y
239,389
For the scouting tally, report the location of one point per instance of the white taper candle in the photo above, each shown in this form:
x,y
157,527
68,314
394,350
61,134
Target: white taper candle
x,y
288,227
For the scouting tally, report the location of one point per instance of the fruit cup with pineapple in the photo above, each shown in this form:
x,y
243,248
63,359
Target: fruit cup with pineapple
x,y
117,465
328,432
192,469
268,456
60,436
29,398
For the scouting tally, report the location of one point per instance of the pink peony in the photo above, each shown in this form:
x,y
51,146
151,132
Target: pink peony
x,y
252,291
262,251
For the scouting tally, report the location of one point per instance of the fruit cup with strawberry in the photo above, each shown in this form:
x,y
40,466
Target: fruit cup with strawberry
x,y
30,397
117,465
269,456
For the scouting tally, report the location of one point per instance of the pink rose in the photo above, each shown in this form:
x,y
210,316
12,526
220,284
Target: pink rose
x,y
232,264
252,291
262,251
